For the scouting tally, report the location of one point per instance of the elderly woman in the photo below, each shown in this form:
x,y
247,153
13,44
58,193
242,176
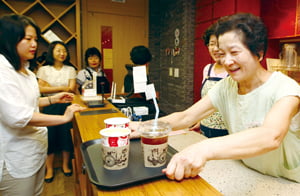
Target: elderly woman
x,y
260,109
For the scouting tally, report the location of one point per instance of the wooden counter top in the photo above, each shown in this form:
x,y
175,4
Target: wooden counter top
x,y
87,127
90,125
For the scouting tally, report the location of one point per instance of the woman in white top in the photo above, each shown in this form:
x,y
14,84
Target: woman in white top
x,y
23,135
57,76
260,109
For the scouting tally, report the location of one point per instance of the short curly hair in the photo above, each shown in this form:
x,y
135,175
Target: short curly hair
x,y
251,29
140,55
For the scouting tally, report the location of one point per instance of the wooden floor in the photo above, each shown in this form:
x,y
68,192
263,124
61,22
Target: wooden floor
x,y
61,185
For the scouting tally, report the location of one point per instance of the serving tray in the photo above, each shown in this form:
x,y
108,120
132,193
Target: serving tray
x,y
135,172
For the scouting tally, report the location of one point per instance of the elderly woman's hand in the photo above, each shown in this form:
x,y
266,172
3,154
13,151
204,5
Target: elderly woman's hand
x,y
133,125
186,164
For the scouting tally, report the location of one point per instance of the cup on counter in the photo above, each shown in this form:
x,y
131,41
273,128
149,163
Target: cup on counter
x,y
115,147
154,141
119,122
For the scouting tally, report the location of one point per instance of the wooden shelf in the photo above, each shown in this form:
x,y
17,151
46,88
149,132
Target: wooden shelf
x,y
59,16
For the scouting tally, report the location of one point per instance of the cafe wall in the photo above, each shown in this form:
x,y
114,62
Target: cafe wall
x,y
128,23
171,41
207,12
177,71
171,69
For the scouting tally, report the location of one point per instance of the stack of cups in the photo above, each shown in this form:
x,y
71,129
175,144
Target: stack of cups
x,y
115,143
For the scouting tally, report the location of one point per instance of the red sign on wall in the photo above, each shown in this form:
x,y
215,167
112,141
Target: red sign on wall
x,y
106,45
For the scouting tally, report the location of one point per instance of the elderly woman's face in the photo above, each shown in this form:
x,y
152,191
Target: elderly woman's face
x,y
237,59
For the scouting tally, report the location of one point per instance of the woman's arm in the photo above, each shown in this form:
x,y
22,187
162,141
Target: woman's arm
x,y
39,119
184,119
245,144
190,116
45,101
72,85
62,97
45,87
259,140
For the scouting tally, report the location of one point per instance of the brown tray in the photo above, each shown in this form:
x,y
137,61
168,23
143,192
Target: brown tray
x,y
135,172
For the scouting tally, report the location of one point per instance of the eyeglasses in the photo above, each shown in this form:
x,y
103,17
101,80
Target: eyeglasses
x,y
61,51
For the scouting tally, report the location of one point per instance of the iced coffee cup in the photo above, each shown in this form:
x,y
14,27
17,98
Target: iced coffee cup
x,y
154,141
115,147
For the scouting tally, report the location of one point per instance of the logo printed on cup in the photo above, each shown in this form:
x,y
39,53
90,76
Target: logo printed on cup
x,y
115,147
117,141
115,137
117,122
154,140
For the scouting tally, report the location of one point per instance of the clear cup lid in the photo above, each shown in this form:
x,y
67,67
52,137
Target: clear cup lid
x,y
154,128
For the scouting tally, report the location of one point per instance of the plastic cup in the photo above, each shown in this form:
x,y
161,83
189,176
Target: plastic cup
x,y
115,148
115,122
154,141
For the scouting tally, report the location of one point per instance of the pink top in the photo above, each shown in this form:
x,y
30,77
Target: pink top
x,y
212,73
